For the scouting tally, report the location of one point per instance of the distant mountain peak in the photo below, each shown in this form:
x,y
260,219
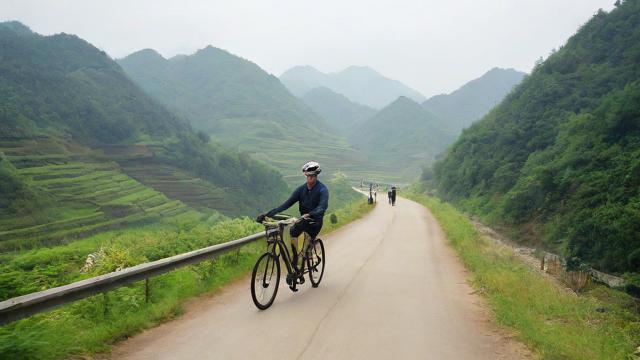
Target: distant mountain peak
x,y
146,54
403,101
17,27
359,70
360,84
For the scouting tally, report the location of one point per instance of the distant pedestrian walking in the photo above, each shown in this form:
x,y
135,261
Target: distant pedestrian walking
x,y
389,194
393,195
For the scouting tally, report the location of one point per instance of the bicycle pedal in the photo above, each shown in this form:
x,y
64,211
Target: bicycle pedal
x,y
293,288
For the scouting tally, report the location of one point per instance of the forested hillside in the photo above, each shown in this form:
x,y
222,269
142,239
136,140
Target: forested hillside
x,y
82,148
403,137
473,100
341,113
240,105
560,156
359,84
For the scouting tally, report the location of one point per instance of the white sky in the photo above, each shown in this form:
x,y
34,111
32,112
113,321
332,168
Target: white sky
x,y
432,46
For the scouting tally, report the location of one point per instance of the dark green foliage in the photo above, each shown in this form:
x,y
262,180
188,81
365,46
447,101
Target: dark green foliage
x,y
63,84
563,149
473,100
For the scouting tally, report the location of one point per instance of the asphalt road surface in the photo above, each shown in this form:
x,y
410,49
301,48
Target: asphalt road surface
x,y
392,289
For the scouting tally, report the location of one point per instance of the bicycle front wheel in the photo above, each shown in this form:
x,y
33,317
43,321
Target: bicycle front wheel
x,y
316,260
265,279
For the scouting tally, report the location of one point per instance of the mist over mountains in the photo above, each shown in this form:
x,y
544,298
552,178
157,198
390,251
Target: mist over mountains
x,y
241,106
341,113
403,136
359,84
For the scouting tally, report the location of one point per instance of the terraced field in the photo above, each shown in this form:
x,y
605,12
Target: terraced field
x,y
86,195
176,184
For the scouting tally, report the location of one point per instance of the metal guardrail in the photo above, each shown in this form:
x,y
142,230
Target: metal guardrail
x,y
30,304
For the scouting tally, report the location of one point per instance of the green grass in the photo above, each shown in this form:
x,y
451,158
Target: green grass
x,y
554,323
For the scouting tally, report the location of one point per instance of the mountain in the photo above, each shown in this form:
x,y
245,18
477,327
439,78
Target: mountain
x,y
474,99
240,105
559,157
339,112
403,136
360,84
82,148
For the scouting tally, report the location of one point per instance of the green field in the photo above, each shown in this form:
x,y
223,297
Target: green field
x,y
84,195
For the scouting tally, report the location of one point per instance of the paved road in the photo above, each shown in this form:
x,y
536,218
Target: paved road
x,y
392,289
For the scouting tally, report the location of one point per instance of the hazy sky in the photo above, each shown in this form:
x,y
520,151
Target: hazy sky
x,y
433,46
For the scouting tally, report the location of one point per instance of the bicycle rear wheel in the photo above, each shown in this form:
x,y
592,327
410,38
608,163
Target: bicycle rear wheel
x,y
265,279
316,260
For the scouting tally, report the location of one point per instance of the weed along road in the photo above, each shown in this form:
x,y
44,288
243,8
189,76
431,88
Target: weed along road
x,y
392,289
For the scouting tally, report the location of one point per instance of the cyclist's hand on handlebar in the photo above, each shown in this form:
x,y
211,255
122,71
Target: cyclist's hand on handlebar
x,y
306,216
261,217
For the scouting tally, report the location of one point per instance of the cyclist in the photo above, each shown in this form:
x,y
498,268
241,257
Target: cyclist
x,y
312,198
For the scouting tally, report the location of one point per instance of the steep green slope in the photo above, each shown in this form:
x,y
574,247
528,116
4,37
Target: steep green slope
x,y
359,84
560,154
473,100
340,113
241,106
74,130
403,136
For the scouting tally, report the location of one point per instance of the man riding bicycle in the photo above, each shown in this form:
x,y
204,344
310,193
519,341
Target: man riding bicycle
x,y
313,199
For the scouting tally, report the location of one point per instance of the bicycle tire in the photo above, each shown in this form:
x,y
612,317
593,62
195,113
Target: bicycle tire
x,y
262,276
316,260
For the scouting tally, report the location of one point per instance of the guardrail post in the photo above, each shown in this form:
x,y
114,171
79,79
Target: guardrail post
x,y
105,304
146,290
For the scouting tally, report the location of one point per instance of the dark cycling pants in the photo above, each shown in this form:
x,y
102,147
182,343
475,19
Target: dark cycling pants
x,y
312,229
296,230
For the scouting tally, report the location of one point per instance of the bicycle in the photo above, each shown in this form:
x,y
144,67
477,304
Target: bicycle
x,y
265,277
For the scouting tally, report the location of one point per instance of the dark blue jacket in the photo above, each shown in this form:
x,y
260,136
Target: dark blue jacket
x,y
313,202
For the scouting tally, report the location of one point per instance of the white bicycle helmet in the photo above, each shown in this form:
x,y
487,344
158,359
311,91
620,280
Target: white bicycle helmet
x,y
311,168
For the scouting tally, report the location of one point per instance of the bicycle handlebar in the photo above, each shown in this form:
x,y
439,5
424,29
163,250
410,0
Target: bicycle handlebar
x,y
285,220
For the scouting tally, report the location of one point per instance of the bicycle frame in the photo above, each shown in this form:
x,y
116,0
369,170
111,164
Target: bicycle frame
x,y
276,238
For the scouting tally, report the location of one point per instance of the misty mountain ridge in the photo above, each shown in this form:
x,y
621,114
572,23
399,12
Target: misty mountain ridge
x,y
83,149
341,113
403,136
240,105
360,84
473,100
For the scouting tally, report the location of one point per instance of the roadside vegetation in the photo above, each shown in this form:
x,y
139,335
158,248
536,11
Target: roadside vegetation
x,y
557,324
559,158
94,324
